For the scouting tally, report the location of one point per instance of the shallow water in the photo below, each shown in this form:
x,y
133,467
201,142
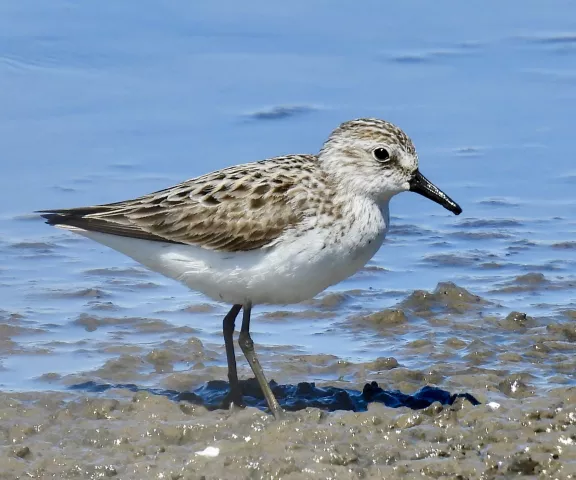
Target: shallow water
x,y
101,102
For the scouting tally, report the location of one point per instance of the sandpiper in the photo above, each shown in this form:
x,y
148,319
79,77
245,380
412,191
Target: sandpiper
x,y
277,231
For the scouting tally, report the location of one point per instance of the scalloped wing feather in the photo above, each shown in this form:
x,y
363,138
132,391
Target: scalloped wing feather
x,y
239,208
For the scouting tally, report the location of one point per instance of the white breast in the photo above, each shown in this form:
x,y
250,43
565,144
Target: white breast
x,y
298,267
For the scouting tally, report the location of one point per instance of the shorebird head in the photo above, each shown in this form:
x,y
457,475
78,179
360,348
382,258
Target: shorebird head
x,y
376,158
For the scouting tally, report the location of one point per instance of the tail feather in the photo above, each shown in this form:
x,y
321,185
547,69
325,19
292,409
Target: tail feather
x,y
82,218
63,216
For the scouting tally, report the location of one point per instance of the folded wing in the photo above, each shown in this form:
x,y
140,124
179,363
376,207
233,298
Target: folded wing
x,y
239,208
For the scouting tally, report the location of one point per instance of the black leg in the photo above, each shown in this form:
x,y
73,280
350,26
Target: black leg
x,y
247,346
235,394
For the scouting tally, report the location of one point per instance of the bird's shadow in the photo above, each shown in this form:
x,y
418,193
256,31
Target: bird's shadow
x,y
212,395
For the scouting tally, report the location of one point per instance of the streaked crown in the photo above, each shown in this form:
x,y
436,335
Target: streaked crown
x,y
373,130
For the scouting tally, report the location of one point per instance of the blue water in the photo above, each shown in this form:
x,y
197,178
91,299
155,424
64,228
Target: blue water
x,y
103,101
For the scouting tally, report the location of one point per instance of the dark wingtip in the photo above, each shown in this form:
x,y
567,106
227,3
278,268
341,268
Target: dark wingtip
x,y
52,218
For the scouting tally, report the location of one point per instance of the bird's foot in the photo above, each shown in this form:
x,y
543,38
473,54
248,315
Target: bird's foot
x,y
233,399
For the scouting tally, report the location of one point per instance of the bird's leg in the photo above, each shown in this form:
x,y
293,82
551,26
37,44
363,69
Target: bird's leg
x,y
247,346
235,394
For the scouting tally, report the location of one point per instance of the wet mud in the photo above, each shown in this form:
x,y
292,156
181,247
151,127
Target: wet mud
x,y
144,435
472,394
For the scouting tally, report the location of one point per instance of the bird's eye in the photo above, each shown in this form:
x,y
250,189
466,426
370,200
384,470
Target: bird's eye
x,y
381,154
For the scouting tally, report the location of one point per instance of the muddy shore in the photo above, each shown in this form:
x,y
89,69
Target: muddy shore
x,y
139,416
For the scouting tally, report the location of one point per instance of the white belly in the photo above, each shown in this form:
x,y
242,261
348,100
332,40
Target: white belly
x,y
293,271
299,266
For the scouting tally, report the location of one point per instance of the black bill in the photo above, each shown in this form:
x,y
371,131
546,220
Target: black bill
x,y
420,184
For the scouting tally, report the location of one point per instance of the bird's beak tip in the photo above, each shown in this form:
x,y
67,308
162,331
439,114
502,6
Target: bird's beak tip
x,y
420,184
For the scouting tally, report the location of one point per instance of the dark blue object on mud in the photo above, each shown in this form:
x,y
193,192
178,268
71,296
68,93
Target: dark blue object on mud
x,y
298,397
